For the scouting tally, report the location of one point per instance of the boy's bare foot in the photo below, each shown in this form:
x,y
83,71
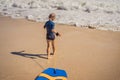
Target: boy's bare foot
x,y
49,57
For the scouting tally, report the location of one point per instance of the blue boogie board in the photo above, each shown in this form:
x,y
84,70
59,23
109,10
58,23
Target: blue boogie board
x,y
52,74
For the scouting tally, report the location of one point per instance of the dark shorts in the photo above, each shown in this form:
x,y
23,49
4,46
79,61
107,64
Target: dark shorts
x,y
50,36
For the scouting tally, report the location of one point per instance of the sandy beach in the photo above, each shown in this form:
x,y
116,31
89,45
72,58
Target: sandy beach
x,y
85,54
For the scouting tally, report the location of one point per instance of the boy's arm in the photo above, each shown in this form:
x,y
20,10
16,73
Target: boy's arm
x,y
57,34
45,25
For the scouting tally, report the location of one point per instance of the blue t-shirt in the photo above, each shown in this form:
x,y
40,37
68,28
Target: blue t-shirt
x,y
49,25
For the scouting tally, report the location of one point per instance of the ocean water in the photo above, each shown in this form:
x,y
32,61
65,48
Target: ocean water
x,y
99,14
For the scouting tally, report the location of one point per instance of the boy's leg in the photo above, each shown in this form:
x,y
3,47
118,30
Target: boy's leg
x,y
53,46
48,48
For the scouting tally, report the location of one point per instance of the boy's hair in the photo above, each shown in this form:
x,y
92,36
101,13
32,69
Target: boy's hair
x,y
51,15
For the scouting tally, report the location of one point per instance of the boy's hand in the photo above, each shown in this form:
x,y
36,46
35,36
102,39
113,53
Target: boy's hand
x,y
58,34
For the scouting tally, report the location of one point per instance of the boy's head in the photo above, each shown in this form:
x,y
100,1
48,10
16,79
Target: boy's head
x,y
52,16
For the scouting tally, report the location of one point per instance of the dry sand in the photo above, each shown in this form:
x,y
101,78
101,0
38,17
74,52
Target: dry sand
x,y
86,54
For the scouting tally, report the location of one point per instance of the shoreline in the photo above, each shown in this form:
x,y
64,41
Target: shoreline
x,y
97,27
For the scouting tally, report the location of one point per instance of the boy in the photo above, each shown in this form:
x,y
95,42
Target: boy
x,y
50,36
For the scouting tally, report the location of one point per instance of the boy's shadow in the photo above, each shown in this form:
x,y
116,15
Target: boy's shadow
x,y
28,55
